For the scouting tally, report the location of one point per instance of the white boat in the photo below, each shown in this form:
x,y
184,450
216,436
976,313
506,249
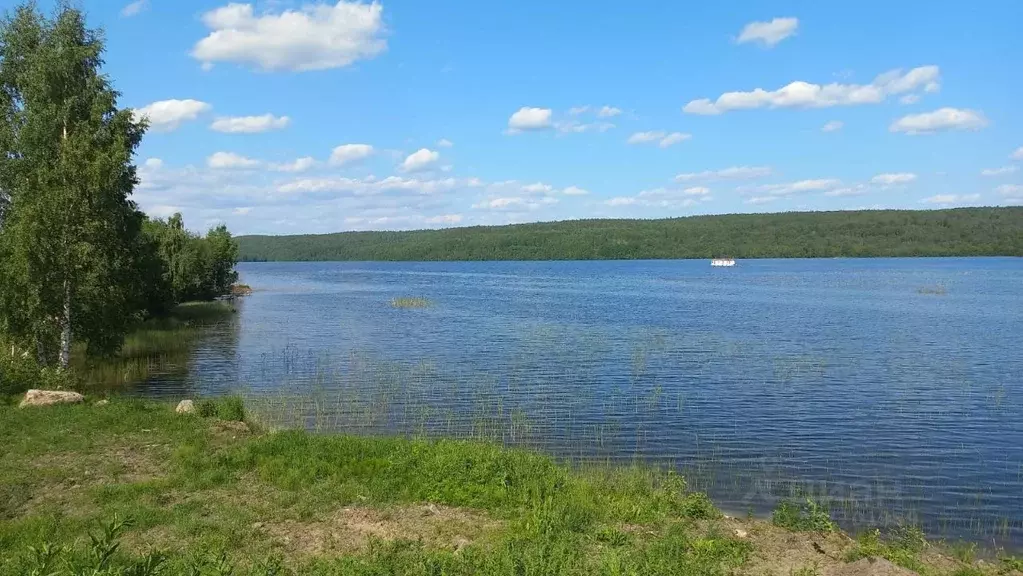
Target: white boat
x,y
723,262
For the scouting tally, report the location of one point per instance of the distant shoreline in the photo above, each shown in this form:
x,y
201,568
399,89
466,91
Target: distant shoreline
x,y
958,232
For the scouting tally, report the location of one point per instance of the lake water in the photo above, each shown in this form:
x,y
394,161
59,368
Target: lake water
x,y
892,388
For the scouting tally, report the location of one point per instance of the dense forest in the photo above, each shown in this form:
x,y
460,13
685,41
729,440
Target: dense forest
x,y
955,232
80,264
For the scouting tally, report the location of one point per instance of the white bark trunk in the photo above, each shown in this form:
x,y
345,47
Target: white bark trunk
x,y
65,328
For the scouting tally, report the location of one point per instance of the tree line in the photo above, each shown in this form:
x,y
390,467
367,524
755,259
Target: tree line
x,y
79,262
886,233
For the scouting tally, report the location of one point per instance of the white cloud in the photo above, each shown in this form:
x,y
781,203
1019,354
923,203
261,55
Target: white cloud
x,y
662,138
951,199
444,219
999,171
768,33
801,94
537,188
371,186
696,191
299,165
940,120
577,110
791,188
134,8
1010,189
317,37
833,126
250,124
230,160
857,190
757,200
242,210
575,191
1018,154
527,118
574,127
167,115
514,203
910,99
731,173
445,143
893,179
162,211
608,112
673,138
153,163
420,160
664,198
347,153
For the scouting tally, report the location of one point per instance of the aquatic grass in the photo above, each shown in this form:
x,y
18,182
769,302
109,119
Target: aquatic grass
x,y
410,302
806,516
901,545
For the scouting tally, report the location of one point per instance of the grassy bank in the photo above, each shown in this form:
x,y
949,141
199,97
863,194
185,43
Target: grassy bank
x,y
863,233
204,495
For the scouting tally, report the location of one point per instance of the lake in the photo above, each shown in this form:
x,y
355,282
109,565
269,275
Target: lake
x,y
890,388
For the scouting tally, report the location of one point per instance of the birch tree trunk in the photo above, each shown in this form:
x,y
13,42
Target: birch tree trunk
x,y
65,328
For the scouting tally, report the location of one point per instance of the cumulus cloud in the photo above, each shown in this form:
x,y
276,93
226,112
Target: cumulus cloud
x,y
951,199
153,163
134,8
756,200
299,165
730,173
833,126
419,160
575,127
768,33
893,179
577,110
802,94
856,190
250,124
167,115
1010,190
347,153
1004,170
608,112
662,138
942,119
1018,154
527,118
664,198
514,203
316,37
575,191
445,143
230,160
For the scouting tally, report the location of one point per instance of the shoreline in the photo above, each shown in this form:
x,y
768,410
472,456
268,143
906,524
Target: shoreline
x,y
326,504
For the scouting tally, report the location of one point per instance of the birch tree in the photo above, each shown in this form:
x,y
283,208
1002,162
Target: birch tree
x,y
69,226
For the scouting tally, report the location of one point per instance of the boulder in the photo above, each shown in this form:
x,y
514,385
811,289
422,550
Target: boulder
x,y
102,402
50,397
185,407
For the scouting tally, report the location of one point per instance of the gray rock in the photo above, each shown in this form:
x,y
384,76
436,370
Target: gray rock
x,y
103,402
185,407
50,397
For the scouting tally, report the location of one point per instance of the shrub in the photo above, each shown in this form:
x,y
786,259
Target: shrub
x,y
226,408
808,516
20,372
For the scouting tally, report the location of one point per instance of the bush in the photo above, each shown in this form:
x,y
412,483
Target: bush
x,y
226,408
808,516
20,372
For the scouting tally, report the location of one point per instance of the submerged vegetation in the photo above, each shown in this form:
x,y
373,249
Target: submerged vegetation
x,y
209,494
955,232
410,302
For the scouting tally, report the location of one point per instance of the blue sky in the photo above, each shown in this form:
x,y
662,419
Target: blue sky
x,y
290,117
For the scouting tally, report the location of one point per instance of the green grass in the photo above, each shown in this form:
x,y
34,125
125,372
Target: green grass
x,y
130,488
410,302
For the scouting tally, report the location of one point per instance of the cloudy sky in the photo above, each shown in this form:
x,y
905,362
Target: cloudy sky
x,y
287,117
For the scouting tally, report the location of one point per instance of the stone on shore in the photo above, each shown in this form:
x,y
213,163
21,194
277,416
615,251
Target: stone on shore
x,y
185,407
50,397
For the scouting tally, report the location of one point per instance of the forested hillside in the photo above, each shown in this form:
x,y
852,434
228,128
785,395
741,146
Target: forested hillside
x,y
955,232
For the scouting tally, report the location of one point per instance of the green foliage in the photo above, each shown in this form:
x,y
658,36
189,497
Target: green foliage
x,y
69,228
1010,563
192,267
225,408
19,372
807,516
965,552
901,546
956,232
